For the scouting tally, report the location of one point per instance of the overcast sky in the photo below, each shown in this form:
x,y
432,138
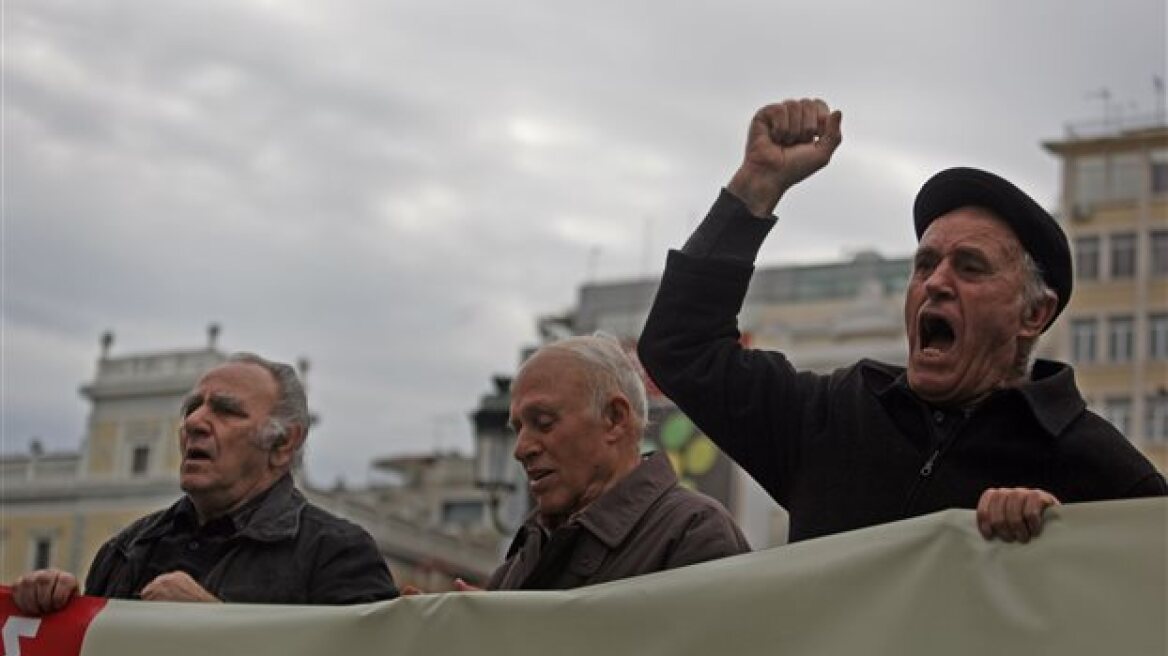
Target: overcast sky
x,y
397,189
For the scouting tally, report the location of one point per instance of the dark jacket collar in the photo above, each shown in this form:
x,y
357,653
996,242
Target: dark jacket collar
x,y
274,515
1051,394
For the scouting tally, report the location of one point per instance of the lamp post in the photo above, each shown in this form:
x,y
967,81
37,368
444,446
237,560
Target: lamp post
x,y
495,470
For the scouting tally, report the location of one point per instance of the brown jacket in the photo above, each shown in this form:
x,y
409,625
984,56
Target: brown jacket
x,y
645,523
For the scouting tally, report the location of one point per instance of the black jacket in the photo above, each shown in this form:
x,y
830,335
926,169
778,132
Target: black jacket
x,y
856,447
289,552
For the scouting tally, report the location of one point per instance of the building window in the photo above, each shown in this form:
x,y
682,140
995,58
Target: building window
x,y
1127,176
1160,171
1087,258
42,552
1160,253
1157,418
1123,255
462,513
1120,339
1158,337
1090,180
1083,340
140,460
1118,411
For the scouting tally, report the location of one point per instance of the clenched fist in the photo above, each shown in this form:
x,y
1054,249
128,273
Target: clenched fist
x,y
786,142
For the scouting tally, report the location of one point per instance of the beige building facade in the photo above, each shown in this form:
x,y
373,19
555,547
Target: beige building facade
x,y
59,508
1114,208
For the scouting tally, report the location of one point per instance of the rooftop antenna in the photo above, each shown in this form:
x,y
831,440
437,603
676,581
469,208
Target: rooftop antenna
x,y
592,263
1158,90
107,341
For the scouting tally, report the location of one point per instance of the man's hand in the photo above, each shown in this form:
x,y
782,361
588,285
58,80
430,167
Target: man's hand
x,y
176,586
787,142
463,586
44,591
1012,513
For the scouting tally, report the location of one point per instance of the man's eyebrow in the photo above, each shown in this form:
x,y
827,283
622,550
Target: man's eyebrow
x,y
226,403
923,253
190,402
972,252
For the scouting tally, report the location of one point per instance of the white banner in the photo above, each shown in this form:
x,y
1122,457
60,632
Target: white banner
x,y
1096,582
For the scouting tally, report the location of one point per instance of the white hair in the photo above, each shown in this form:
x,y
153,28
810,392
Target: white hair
x,y
607,369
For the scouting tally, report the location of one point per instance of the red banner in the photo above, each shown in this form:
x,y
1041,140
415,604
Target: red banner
x,y
56,634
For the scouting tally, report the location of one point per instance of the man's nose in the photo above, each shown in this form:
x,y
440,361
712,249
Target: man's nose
x,y
525,447
194,424
939,284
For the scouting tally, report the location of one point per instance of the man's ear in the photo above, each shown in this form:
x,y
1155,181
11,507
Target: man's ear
x,y
284,449
1037,316
618,415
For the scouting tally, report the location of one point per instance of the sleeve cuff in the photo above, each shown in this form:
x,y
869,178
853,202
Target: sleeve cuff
x,y
729,232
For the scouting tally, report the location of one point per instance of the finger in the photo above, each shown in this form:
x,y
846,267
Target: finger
x,y
1013,508
43,594
411,590
822,112
463,586
833,136
21,596
760,126
1032,508
997,516
984,525
809,120
780,123
65,589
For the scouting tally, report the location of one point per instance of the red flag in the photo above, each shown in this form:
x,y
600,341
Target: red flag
x,y
56,634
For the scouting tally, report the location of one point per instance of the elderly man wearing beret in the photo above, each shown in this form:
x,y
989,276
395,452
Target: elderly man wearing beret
x,y
973,421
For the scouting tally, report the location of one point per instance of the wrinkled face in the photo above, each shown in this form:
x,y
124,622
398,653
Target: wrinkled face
x,y
223,464
566,449
963,310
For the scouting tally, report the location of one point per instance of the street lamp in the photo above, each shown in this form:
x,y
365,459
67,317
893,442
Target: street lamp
x,y
495,469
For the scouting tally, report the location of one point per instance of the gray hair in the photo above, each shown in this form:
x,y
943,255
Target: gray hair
x,y
291,408
607,369
1034,292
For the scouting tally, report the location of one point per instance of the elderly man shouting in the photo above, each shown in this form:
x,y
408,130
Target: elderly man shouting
x,y
602,511
242,532
971,422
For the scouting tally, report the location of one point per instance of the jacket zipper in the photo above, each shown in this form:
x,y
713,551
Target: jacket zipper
x,y
930,465
927,470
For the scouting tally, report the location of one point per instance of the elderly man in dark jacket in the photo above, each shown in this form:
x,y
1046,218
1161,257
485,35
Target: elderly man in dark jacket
x,y
242,532
971,422
603,512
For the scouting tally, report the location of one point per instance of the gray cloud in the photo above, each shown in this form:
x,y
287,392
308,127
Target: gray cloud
x,y
397,189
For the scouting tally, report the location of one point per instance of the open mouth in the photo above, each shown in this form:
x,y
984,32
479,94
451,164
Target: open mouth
x,y
195,453
936,333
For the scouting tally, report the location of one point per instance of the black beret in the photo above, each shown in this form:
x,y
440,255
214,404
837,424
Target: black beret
x,y
1035,228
